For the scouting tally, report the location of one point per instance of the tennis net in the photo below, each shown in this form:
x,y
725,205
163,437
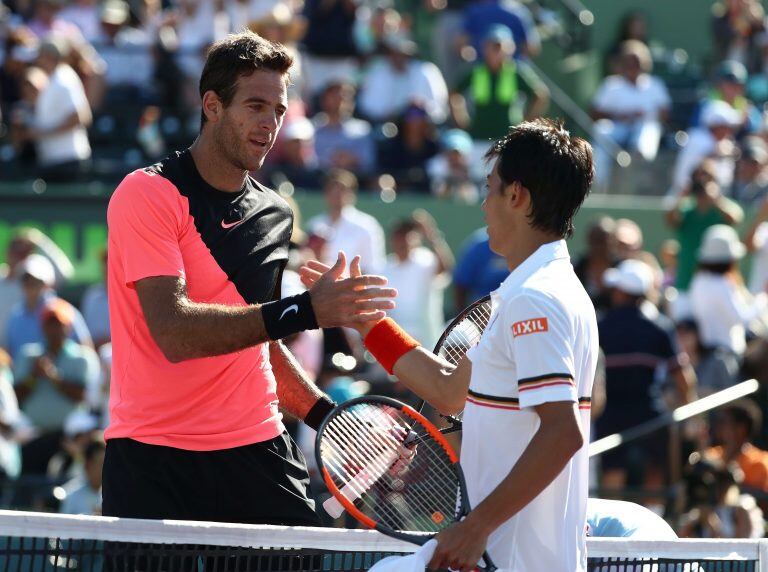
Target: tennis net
x,y
38,542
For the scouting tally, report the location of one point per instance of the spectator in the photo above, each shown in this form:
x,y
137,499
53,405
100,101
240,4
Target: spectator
x,y
498,90
83,494
756,241
243,14
46,20
280,25
633,26
716,368
750,184
668,256
10,458
700,206
452,173
405,156
481,15
62,114
346,228
630,109
330,52
715,141
640,352
717,507
478,270
738,423
22,115
601,255
398,79
720,303
736,28
341,140
629,244
23,243
96,309
80,428
51,380
448,35
85,15
23,325
420,275
297,163
730,83
126,52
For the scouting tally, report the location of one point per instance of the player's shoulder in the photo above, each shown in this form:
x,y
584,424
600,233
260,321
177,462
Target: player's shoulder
x,y
270,195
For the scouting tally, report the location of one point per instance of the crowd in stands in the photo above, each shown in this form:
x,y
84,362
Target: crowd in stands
x,y
369,112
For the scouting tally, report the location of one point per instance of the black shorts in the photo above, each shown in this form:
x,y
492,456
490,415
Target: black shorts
x,y
263,483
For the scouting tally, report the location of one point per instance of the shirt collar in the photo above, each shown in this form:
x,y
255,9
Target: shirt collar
x,y
544,254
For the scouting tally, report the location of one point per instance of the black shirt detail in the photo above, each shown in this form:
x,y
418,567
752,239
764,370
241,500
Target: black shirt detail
x,y
246,232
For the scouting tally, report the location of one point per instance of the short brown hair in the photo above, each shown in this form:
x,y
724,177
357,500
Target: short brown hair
x,y
240,55
343,177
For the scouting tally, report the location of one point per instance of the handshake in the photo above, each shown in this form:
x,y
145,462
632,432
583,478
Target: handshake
x,y
345,297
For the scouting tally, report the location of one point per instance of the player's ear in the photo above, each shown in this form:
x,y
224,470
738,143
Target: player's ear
x,y
212,106
517,195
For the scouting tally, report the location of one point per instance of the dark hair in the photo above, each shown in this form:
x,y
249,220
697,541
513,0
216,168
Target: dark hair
x,y
717,267
746,413
93,448
404,225
554,166
240,55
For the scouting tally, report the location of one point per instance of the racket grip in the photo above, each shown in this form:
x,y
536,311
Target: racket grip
x,y
333,507
350,491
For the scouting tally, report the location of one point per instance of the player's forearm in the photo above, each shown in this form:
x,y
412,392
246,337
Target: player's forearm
x,y
296,392
193,330
541,462
437,382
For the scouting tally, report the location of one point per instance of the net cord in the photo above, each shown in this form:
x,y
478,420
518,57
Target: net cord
x,y
44,525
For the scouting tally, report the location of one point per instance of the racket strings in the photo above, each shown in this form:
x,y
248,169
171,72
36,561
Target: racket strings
x,y
404,488
384,459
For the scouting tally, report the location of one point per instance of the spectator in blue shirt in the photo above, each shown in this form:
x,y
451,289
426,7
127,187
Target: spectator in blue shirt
x,y
83,493
478,270
51,379
23,326
342,141
480,16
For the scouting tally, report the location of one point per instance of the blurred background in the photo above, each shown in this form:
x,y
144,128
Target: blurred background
x,y
393,104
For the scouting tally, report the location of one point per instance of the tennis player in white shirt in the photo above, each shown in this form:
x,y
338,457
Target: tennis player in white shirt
x,y
525,388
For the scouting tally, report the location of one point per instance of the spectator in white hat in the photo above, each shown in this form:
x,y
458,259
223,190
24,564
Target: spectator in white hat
x,y
641,351
720,303
297,164
37,277
716,140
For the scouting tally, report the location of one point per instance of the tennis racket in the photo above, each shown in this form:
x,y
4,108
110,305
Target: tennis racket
x,y
462,333
392,469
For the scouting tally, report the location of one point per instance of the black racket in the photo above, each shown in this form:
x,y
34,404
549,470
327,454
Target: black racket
x,y
392,469
461,334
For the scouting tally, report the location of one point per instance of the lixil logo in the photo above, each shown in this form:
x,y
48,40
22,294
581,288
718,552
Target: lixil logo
x,y
532,326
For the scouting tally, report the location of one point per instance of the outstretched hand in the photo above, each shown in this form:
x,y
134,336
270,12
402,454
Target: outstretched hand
x,y
350,301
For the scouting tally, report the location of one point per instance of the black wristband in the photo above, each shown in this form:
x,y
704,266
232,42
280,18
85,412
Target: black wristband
x,y
288,316
319,412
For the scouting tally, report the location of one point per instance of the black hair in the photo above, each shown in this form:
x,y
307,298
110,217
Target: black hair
x,y
717,267
554,166
746,413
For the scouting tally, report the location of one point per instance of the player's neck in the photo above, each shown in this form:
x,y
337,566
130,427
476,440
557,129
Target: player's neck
x,y
214,168
524,245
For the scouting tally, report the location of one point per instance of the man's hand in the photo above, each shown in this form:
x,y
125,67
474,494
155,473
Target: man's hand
x,y
350,302
459,547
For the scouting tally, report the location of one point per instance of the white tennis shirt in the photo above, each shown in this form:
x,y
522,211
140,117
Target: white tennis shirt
x,y
541,345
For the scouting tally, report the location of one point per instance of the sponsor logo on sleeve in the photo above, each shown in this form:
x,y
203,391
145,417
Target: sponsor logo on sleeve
x,y
532,326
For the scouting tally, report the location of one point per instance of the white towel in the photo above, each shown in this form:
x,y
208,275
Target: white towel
x,y
416,562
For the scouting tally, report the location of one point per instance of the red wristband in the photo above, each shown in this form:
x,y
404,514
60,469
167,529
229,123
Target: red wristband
x,y
388,342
